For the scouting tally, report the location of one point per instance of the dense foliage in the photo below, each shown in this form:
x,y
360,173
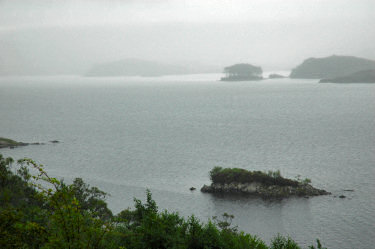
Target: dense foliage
x,y
39,211
236,175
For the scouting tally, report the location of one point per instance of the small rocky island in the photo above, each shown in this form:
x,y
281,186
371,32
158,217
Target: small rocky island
x,y
257,183
242,72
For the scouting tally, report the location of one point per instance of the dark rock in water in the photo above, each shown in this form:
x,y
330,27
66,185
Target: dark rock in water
x,y
192,189
37,143
331,67
55,141
276,76
342,196
367,76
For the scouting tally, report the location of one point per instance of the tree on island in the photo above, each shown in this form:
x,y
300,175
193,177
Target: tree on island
x,y
242,71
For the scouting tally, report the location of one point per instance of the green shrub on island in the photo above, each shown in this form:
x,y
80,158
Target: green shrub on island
x,y
236,175
40,211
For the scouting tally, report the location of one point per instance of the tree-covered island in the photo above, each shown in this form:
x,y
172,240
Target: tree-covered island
x,y
242,72
266,185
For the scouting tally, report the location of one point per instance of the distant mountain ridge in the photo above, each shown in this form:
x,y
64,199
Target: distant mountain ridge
x,y
331,67
138,67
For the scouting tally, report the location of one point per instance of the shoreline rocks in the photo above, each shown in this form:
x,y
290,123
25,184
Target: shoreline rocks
x,y
11,144
258,189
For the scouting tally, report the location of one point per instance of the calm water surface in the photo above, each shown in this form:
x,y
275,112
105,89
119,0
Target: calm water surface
x,y
128,134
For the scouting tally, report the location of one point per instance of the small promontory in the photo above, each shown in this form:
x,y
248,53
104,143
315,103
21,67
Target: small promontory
x,y
331,67
367,76
9,143
257,183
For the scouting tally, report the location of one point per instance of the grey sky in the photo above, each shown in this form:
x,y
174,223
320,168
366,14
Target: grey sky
x,y
66,36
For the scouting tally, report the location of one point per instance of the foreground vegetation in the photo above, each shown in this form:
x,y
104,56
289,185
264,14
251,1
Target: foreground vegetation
x,y
39,211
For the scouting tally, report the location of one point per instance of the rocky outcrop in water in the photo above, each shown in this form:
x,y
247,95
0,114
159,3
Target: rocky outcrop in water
x,y
257,183
264,191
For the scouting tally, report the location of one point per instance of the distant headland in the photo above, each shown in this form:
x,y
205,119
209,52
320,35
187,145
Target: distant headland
x,y
366,76
257,183
331,67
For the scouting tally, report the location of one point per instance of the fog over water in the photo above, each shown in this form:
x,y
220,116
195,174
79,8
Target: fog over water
x,y
124,135
165,132
68,37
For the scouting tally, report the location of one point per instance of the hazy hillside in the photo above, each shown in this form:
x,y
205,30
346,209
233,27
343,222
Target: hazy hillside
x,y
331,67
367,76
137,67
